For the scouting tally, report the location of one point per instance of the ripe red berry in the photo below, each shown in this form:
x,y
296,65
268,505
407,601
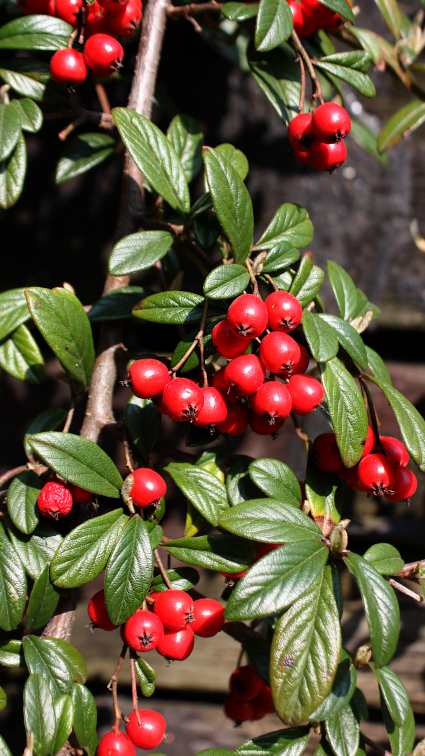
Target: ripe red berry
x,y
177,646
208,617
55,500
103,54
272,401
247,315
245,682
148,377
284,311
95,19
395,450
297,16
113,6
376,474
214,408
302,365
405,484
80,495
236,421
228,343
261,425
69,10
143,631
98,613
146,728
327,157
182,400
244,374
43,7
265,548
115,744
369,442
68,67
326,453
125,21
331,122
263,703
280,353
175,609
238,710
300,133
307,393
145,487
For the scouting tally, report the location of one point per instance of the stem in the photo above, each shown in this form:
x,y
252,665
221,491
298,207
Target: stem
x,y
317,91
197,341
103,98
411,568
303,83
69,419
192,9
407,592
134,698
271,282
162,569
248,265
305,438
12,473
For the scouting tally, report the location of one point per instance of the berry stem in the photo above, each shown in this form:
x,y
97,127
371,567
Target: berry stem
x,y
406,591
197,341
162,569
134,696
248,265
113,687
411,569
305,438
191,9
302,52
271,282
103,98
301,101
69,418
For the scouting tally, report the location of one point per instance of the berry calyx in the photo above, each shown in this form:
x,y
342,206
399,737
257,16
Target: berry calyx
x,y
177,646
247,315
69,10
244,374
214,408
80,495
326,453
182,400
376,474
245,682
115,744
327,157
146,728
144,487
261,425
208,617
272,401
405,484
237,710
284,310
175,609
148,378
103,54
331,122
228,343
306,392
55,500
98,613
236,421
143,631
300,132
68,66
280,353
395,450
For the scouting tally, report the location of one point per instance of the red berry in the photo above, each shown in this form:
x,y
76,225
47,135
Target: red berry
x,y
228,343
405,484
55,500
35,7
307,393
148,377
247,315
297,16
376,474
95,19
263,703
98,613
214,408
113,6
302,365
272,401
351,477
236,421
177,646
300,133
231,577
69,10
395,450
219,381
68,67
326,453
238,710
261,425
175,609
245,682
369,442
265,548
80,495
182,399
143,631
147,487
327,157
103,54
323,16
280,353
125,21
115,744
284,311
331,122
146,728
244,374
208,617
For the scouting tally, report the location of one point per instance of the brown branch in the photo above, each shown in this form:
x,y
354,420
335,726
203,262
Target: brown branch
x,y
302,52
12,473
162,569
197,341
406,591
103,98
248,265
301,101
193,9
412,569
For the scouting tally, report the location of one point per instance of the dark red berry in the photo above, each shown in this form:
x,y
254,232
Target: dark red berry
x,y
280,353
145,487
143,631
300,133
326,453
272,401
327,157
95,19
177,646
98,613
146,728
245,682
261,425
263,703
395,450
68,67
244,374
80,495
350,475
284,310
35,7
125,21
115,744
236,421
182,400
69,10
103,54
265,548
331,122
55,500
228,343
175,609
247,315
148,377
376,474
238,710
302,365
214,408
208,617
307,393
297,16
405,484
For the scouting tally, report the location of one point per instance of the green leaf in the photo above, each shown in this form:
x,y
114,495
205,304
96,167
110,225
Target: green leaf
x,y
226,282
232,203
346,67
82,154
401,737
381,608
170,308
343,733
36,550
4,750
274,24
21,357
321,339
341,7
22,498
237,158
143,420
13,311
30,80
280,259
239,485
63,323
321,492
384,558
85,718
204,491
84,552
13,585
394,694
344,289
218,552
270,521
401,124
146,677
275,479
239,11
12,174
139,251
45,421
377,366
289,742
306,288
30,115
56,661
274,582
366,139
342,691
117,305
79,461
347,410
391,13
305,650
10,129
185,134
155,157
349,339
64,712
3,700
181,578
410,422
277,75
10,654
290,228
35,33
39,713
42,603
129,572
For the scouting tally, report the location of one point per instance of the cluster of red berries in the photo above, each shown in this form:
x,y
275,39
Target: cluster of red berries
x,y
250,698
317,138
309,16
145,728
56,499
382,470
261,390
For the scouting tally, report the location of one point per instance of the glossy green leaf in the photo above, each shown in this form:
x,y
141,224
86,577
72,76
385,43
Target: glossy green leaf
x,y
321,492
235,157
274,24
171,308
64,712
204,491
347,410
384,558
10,129
3,699
185,134
321,338
36,550
311,287
280,258
117,304
239,485
35,33
21,357
377,366
344,289
50,419
394,694
366,139
4,749
79,461
343,688
22,498
28,78
56,660
274,582
155,157
139,251
239,11
181,578
63,323
84,552
410,422
275,479
12,174
341,7
277,75
129,572
401,737
381,608
270,521
401,124
226,282
289,742
290,228
218,552
349,339
11,654
29,113
13,584
85,718
82,154
143,420
42,603
13,311
345,67
39,713
146,677
343,733
305,650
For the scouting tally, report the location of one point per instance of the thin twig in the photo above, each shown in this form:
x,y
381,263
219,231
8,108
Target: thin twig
x,y
305,438
407,592
411,569
134,697
65,133
12,473
196,342
301,101
192,9
162,569
271,282
103,98
69,419
248,265
376,747
317,91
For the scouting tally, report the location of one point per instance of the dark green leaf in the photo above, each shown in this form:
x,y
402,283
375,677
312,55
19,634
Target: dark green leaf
x,y
366,139
117,305
239,11
13,311
82,154
410,422
239,485
307,288
30,115
226,282
321,492
35,33
401,124
394,694
10,654
321,339
129,572
146,676
48,420
344,289
290,742
274,24
29,80
13,585
350,69
219,552
275,479
139,251
342,691
12,174
10,129
22,498
204,490
143,419
343,733
349,339
42,603
3,700
64,713
85,718
185,134
277,75
21,357
280,258
4,750
270,521
170,307
384,558
401,737
182,579
377,366
55,660
36,550
235,157
290,228
340,6
39,713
